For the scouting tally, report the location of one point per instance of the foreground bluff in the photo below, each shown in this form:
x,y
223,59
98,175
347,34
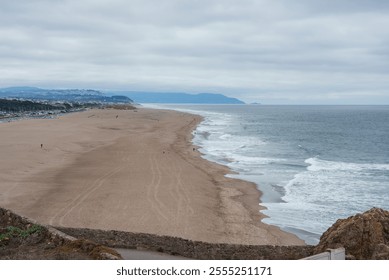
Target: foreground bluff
x,y
364,236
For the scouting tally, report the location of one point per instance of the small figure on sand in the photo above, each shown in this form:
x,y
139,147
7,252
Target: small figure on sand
x,y
117,116
41,146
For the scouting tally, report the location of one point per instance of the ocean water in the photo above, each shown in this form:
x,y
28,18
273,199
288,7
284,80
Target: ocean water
x,y
314,164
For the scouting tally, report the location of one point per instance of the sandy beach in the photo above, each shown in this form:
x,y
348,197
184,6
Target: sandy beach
x,y
129,170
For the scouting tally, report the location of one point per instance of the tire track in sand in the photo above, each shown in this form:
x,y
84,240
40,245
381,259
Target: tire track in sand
x,y
88,190
153,188
91,188
183,200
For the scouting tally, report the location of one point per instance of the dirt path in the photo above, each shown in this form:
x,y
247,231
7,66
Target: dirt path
x,y
129,254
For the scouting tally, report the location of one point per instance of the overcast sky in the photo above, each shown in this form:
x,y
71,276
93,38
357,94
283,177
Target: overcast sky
x,y
269,51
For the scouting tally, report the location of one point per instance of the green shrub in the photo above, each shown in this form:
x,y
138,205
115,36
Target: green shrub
x,y
17,232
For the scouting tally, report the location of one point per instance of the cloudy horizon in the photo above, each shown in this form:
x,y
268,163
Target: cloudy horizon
x,y
273,52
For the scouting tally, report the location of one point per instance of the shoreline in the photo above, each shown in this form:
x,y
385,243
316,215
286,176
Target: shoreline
x,y
136,172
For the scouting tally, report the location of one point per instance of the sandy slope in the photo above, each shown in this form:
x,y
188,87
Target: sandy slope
x,y
127,170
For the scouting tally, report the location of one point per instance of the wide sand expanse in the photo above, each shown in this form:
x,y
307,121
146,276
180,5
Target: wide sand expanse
x,y
132,170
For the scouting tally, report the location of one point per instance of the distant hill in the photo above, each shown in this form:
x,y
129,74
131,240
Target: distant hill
x,y
179,98
88,95
66,95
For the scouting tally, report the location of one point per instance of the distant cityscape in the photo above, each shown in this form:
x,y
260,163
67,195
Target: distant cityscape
x,y
21,102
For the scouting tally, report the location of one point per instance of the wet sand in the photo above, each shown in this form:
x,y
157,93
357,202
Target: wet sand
x,y
132,170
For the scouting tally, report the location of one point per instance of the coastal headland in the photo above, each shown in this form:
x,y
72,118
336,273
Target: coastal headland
x,y
127,170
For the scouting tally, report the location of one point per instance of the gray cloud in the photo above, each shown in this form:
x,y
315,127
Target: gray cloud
x,y
267,51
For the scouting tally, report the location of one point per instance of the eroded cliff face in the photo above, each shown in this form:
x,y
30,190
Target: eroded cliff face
x,y
364,236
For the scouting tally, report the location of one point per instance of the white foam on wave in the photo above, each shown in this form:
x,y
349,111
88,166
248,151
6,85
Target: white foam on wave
x,y
224,146
226,136
234,151
254,160
329,190
317,164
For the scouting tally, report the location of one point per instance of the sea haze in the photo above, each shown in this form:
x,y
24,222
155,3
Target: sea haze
x,y
314,164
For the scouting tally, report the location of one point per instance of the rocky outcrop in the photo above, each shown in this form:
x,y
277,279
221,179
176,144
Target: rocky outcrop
x,y
364,236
